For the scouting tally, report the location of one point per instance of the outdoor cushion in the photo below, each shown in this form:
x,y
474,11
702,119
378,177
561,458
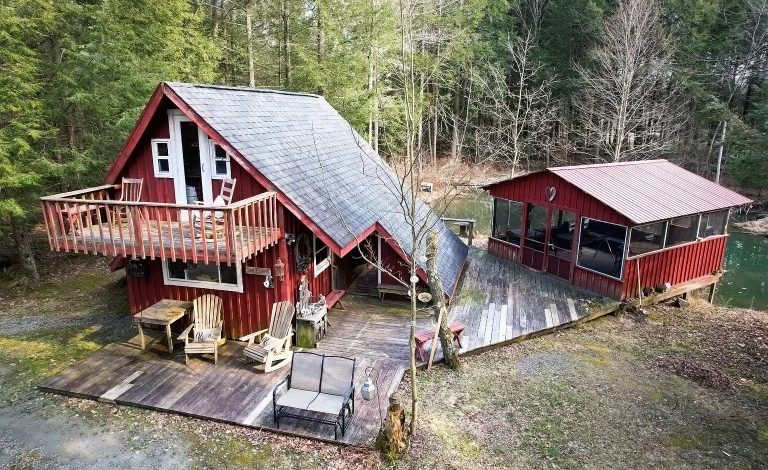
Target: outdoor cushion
x,y
206,335
296,398
325,403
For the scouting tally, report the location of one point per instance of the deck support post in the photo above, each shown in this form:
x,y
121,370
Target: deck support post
x,y
711,296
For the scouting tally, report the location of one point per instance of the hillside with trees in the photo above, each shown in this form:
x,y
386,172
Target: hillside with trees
x,y
519,83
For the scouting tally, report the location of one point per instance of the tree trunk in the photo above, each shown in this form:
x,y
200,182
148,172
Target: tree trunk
x,y
249,35
286,47
320,37
450,354
23,239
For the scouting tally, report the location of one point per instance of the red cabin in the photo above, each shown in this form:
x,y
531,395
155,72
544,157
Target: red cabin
x,y
307,191
615,229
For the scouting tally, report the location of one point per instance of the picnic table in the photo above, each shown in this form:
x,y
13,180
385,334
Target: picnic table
x,y
423,336
163,313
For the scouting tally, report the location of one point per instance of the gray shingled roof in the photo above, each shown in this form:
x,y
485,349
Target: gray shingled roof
x,y
312,155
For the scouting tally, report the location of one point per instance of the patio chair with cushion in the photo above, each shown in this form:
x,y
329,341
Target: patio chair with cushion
x,y
272,347
320,384
206,328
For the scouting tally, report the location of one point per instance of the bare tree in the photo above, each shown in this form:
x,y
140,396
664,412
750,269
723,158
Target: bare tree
x,y
629,104
517,105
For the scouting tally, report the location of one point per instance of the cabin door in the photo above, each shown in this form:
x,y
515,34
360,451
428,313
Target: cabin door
x,y
560,242
189,144
535,236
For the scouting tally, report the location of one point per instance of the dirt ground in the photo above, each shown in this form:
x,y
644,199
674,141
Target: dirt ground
x,y
678,388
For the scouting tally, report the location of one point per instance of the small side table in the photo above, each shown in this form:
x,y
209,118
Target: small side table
x,y
164,313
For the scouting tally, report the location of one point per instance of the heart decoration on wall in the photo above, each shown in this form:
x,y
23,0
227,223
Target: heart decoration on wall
x,y
550,192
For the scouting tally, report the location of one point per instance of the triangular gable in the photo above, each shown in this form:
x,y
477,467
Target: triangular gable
x,y
163,90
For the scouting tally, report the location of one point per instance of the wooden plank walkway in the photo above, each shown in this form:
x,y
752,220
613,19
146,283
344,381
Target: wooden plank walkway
x,y
500,302
234,392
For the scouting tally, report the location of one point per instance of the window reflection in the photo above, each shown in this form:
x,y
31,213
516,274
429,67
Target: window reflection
x,y
601,247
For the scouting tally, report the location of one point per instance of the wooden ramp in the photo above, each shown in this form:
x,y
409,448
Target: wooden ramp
x,y
501,302
234,392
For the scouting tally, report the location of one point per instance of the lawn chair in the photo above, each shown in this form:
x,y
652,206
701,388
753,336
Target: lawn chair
x,y
206,328
272,347
222,200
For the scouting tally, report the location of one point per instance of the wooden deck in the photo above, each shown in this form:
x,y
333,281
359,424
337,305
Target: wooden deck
x,y
175,240
234,392
502,302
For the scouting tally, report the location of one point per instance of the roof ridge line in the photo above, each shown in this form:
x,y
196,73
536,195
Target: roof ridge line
x,y
609,164
244,88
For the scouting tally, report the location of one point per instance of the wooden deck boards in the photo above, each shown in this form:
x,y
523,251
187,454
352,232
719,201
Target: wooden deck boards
x,y
167,240
501,301
234,392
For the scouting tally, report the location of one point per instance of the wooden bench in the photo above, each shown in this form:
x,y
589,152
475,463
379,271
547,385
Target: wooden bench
x,y
423,336
394,289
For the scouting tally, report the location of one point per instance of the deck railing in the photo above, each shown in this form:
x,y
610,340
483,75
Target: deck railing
x,y
94,221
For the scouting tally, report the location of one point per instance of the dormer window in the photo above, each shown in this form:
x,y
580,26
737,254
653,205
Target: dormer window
x,y
161,158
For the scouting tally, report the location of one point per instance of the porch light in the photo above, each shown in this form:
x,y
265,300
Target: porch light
x,y
368,389
290,238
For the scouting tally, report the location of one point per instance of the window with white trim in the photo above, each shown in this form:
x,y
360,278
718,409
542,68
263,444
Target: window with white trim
x,y
161,158
321,255
220,162
202,275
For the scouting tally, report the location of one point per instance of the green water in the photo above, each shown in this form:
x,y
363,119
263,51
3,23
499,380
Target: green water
x,y
746,258
476,207
746,264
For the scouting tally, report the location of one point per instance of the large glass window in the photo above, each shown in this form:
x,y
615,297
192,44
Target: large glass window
x,y
647,238
507,220
713,224
561,234
536,227
209,276
601,247
682,230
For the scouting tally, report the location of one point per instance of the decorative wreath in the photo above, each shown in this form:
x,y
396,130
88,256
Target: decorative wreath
x,y
303,253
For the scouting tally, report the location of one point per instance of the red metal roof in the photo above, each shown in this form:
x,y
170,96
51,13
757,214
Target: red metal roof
x,y
650,190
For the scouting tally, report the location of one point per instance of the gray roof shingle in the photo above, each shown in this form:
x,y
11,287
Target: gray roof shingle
x,y
312,155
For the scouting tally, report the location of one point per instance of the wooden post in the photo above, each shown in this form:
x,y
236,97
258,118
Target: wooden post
x,y
471,234
392,438
711,296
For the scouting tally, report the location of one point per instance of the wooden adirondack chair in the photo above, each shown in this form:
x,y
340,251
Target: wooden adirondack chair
x,y
206,328
130,191
272,347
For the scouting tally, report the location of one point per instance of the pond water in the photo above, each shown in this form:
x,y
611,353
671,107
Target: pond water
x,y
746,258
746,263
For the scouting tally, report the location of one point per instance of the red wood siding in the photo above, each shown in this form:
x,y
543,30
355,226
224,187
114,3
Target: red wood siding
x,y
244,312
392,262
140,165
674,265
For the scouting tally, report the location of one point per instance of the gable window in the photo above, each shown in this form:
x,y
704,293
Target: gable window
x,y
220,162
161,158
202,275
321,255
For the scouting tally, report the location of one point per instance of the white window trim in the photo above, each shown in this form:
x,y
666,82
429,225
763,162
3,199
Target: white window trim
x,y
323,264
212,153
156,157
169,281
623,254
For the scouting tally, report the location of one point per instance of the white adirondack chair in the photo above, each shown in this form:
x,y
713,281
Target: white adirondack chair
x,y
272,347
